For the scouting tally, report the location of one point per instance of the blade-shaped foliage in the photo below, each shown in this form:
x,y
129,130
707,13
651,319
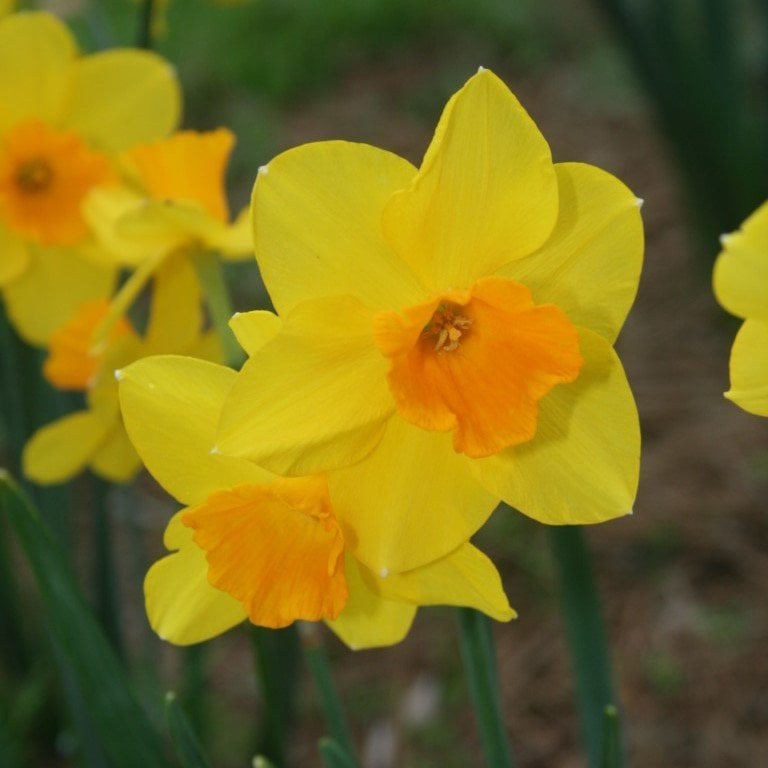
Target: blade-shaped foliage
x,y
86,659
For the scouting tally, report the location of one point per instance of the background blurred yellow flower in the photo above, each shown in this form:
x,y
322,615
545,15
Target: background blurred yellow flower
x,y
63,117
95,437
740,282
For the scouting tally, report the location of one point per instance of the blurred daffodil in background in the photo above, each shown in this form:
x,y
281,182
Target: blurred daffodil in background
x,y
446,329
95,437
741,286
64,118
172,202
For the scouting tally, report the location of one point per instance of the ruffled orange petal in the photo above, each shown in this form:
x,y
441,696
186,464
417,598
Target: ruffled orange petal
x,y
187,166
276,548
477,362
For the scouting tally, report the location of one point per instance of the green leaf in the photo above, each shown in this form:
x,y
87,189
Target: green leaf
x,y
188,747
333,754
85,657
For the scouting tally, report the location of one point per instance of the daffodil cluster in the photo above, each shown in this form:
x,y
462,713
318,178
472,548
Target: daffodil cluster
x,y
741,286
64,121
443,340
95,181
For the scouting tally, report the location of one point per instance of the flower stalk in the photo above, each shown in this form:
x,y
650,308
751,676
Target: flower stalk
x,y
329,697
587,643
211,276
482,676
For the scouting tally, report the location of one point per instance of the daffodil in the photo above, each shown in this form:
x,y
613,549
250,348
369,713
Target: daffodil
x,y
251,545
173,202
446,330
741,286
95,437
63,117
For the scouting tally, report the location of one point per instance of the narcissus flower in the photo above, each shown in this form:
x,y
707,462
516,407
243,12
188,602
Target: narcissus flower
x,y
175,203
741,286
257,546
95,437
452,325
62,118
177,200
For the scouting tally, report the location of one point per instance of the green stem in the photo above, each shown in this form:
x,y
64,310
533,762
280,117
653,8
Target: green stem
x,y
193,688
482,676
211,276
144,38
336,722
586,638
276,653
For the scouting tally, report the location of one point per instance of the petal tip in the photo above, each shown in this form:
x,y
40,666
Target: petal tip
x,y
639,202
384,572
119,374
263,170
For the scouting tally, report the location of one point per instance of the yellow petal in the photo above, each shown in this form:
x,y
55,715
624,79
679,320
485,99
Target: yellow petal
x,y
411,501
464,577
116,460
741,269
486,192
176,312
582,466
234,242
15,256
121,97
312,399
60,450
368,619
50,291
590,265
749,368
36,56
182,606
170,408
317,225
277,548
103,209
254,329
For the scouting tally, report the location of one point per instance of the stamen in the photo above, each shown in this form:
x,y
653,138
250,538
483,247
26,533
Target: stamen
x,y
447,327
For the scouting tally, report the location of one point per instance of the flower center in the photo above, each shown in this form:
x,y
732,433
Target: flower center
x,y
72,361
34,175
445,328
478,362
277,548
44,176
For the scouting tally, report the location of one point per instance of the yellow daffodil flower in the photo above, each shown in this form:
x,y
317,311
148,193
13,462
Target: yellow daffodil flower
x,y
177,201
452,325
176,204
62,118
741,286
95,437
257,546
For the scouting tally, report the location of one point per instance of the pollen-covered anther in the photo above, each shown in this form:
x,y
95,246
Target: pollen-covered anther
x,y
447,327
